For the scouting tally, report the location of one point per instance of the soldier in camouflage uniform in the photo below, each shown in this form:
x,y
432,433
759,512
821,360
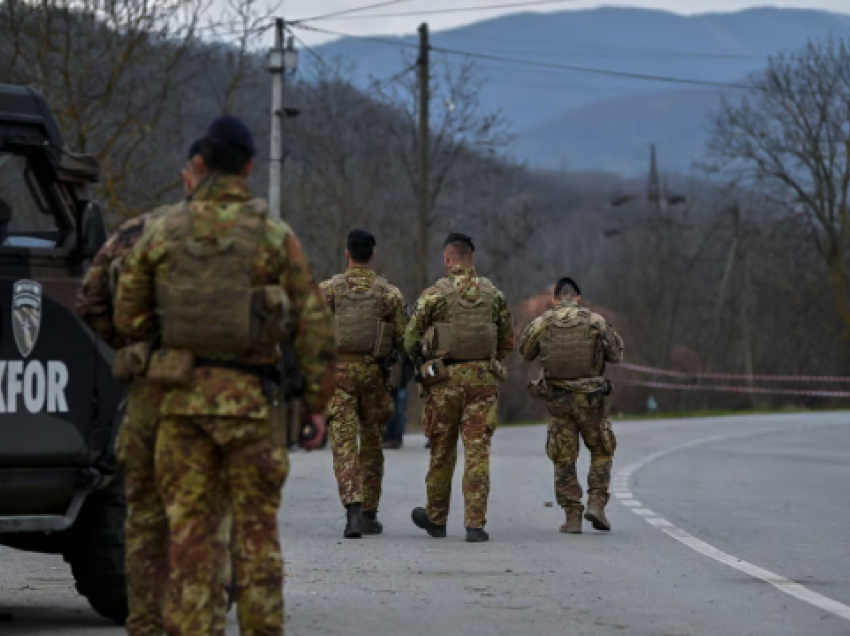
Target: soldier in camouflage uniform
x,y
463,324
573,345
370,322
146,527
215,278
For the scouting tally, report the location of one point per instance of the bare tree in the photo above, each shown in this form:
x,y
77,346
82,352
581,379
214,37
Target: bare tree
x,y
116,74
462,130
790,138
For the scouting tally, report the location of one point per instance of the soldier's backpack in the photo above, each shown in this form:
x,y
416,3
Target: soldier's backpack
x,y
568,348
359,328
469,332
208,304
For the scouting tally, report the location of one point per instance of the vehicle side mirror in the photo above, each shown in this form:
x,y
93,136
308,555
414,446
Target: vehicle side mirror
x,y
93,233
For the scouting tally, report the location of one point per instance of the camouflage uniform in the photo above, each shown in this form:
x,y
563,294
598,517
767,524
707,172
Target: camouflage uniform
x,y
362,404
146,527
215,438
578,408
465,405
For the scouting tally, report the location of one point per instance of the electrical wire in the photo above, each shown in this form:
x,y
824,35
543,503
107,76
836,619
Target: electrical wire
x,y
594,71
547,65
365,38
394,78
309,49
328,16
492,7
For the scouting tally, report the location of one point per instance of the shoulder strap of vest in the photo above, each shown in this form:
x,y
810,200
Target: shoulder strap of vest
x,y
381,285
177,223
340,284
257,206
485,287
446,287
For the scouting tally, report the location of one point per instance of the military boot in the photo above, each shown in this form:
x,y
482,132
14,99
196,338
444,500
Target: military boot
x,y
596,515
476,535
420,518
354,525
573,522
371,525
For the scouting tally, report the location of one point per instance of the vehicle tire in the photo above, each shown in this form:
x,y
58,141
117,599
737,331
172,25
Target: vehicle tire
x,y
95,552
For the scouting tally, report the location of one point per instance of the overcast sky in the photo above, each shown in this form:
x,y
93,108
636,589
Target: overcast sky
x,y
298,9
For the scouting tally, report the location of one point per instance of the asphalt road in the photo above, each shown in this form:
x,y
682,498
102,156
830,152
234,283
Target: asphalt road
x,y
731,526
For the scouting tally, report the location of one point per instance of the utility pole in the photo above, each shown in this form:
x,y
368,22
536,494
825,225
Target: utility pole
x,y
654,186
275,66
424,157
743,300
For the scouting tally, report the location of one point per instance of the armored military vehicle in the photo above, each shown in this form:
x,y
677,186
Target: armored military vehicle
x,y
60,492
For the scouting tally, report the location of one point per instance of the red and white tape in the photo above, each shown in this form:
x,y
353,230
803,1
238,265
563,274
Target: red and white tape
x,y
738,389
733,376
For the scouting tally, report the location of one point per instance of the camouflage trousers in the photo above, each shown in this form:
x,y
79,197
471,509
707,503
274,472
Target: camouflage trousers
x,y
200,461
360,406
471,413
146,527
574,415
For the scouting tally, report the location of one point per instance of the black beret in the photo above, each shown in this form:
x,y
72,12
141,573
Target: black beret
x,y
566,280
361,237
457,237
195,148
232,132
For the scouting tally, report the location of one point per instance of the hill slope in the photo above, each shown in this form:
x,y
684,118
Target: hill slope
x,y
549,108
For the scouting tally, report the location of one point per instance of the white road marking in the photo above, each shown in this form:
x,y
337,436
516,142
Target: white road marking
x,y
779,582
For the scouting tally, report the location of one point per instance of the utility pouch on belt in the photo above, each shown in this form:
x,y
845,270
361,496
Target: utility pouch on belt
x,y
131,362
498,369
171,368
433,372
540,389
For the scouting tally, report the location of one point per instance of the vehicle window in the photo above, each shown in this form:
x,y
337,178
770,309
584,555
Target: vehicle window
x,y
22,223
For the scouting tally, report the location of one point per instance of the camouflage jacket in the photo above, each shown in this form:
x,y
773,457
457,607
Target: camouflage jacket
x,y
96,298
279,260
360,279
432,308
612,345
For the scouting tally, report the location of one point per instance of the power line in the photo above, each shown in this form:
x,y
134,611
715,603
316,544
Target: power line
x,y
308,49
396,77
365,38
595,71
328,16
546,65
492,7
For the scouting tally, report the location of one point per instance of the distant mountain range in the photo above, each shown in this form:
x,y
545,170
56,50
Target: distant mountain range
x,y
589,120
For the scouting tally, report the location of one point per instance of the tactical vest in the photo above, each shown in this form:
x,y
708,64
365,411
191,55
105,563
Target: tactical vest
x,y
469,332
568,347
208,304
359,329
